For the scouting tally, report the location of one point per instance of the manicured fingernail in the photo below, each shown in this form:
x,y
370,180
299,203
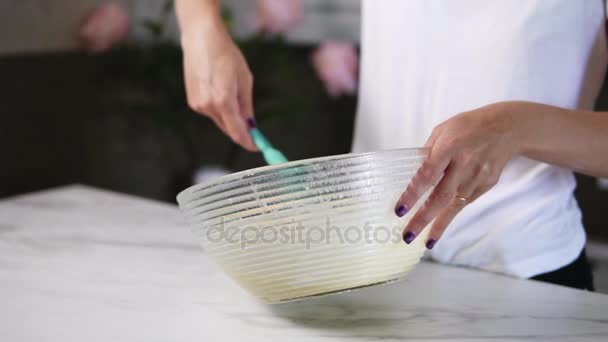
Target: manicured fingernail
x,y
251,123
409,237
401,211
431,243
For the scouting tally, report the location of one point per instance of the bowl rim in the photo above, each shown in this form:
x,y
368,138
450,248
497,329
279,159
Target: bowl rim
x,y
181,196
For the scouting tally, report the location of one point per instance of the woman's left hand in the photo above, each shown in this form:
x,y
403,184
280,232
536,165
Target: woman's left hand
x,y
467,154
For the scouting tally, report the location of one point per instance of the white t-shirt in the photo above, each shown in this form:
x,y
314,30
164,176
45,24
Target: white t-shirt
x,y
425,61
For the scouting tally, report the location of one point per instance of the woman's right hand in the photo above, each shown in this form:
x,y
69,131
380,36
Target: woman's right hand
x,y
218,81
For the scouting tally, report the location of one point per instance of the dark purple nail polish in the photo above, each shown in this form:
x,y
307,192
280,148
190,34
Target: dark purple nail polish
x,y
431,243
409,237
251,123
401,211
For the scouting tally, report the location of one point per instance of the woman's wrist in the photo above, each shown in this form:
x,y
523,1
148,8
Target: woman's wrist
x,y
520,118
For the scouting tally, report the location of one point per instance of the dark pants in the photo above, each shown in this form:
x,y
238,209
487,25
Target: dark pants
x,y
577,275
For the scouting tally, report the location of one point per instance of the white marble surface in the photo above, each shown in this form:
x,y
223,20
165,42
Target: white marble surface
x,y
78,264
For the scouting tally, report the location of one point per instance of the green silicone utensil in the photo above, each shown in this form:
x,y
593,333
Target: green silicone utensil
x,y
271,154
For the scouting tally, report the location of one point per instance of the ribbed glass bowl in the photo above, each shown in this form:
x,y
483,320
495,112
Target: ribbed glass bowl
x,y
309,227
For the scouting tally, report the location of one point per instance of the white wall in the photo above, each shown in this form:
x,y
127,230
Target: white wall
x,y
51,25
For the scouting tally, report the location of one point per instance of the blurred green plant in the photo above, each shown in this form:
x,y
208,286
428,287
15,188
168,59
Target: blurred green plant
x,y
156,27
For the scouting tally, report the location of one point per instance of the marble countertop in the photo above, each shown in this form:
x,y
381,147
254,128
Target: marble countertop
x,y
80,264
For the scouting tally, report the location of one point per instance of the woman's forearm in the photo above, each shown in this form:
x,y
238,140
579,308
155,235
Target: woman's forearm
x,y
217,78
573,139
192,14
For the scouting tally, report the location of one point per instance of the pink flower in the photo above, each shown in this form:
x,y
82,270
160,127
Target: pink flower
x,y
277,16
337,65
104,27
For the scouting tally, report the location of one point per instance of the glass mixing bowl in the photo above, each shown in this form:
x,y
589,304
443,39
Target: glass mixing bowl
x,y
309,227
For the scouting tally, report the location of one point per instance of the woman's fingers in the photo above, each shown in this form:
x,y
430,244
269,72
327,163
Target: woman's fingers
x,y
227,107
468,153
443,220
440,198
200,101
463,197
219,85
488,184
476,180
427,176
219,122
225,103
225,111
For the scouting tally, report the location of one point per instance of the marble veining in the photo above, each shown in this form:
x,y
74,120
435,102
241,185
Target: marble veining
x,y
80,264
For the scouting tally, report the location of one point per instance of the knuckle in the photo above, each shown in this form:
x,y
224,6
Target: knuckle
x,y
477,169
474,160
454,143
192,104
463,159
466,155
411,192
426,174
249,79
417,224
192,100
441,196
406,196
198,102
220,100
204,104
485,170
437,130
425,214
198,107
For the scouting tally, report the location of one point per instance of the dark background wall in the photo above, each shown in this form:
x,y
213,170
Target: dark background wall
x,y
70,117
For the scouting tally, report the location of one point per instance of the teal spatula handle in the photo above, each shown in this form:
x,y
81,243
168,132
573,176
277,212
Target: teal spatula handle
x,y
271,154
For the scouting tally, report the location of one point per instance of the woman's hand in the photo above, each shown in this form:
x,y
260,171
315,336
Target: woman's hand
x,y
219,83
467,155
